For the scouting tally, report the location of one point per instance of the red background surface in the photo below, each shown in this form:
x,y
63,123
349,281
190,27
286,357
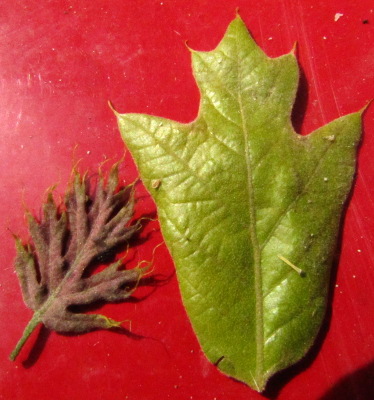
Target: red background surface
x,y
60,62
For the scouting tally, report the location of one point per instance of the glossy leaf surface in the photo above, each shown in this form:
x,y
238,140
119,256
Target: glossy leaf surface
x,y
245,203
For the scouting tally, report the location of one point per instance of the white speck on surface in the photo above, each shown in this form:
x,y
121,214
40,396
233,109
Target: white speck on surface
x,y
325,179
338,16
353,276
359,250
336,285
324,37
155,183
270,38
88,152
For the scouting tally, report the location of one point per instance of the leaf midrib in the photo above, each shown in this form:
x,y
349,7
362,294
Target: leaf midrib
x,y
252,232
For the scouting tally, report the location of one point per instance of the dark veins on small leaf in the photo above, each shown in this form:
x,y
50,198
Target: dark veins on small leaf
x,y
54,269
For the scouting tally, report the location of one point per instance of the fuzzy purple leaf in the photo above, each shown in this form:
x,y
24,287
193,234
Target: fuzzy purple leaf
x,y
54,269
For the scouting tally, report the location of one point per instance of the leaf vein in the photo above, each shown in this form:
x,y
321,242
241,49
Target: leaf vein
x,y
259,334
296,198
171,152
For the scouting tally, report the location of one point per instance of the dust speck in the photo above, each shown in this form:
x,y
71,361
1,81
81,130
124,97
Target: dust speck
x,y
337,16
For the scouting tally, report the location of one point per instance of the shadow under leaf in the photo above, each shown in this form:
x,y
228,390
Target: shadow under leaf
x,y
38,347
359,385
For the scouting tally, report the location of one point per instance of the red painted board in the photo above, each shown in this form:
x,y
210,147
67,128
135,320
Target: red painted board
x,y
60,63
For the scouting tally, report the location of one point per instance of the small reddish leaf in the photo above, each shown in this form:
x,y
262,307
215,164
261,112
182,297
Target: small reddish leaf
x,y
53,268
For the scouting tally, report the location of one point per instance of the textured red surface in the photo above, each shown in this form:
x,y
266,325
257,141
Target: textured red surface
x,y
60,62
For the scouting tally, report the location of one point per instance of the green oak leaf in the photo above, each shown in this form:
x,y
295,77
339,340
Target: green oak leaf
x,y
249,209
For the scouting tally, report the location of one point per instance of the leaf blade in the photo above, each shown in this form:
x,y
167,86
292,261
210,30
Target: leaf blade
x,y
238,188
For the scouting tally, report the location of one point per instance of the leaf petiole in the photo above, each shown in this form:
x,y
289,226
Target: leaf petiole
x,y
33,323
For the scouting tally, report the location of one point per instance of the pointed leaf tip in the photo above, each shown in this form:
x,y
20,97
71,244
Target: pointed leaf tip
x,y
115,112
368,104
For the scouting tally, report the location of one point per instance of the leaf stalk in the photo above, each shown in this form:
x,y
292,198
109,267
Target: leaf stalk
x,y
30,327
